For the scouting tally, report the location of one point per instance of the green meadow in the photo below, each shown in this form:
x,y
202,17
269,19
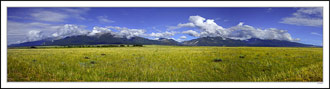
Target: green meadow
x,y
153,63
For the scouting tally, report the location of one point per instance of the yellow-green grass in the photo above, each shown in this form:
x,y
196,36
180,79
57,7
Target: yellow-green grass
x,y
154,63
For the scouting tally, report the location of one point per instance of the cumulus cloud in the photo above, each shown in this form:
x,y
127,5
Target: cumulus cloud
x,y
183,37
69,30
127,33
305,17
34,35
244,32
186,25
74,30
38,31
166,34
17,31
208,28
99,30
104,19
191,33
25,32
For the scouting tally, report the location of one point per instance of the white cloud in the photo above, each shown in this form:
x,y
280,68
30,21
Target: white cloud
x,y
305,17
217,18
49,16
56,15
186,25
156,38
38,31
178,40
244,32
163,34
69,30
315,33
208,28
172,27
34,35
127,33
302,21
99,30
305,12
76,12
183,37
17,31
23,32
191,33
104,19
180,25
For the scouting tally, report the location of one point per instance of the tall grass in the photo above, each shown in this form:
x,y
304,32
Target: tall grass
x,y
166,63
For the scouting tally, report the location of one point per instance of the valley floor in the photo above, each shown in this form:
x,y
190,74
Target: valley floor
x,y
154,63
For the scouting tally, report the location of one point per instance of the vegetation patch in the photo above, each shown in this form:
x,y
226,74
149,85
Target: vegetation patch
x,y
153,63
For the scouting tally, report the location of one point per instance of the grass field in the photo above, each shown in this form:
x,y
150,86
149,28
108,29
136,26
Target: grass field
x,y
166,63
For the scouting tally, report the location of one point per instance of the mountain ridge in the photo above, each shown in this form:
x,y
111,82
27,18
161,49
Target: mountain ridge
x,y
108,38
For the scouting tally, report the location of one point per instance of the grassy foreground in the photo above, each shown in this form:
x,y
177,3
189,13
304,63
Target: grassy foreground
x,y
166,63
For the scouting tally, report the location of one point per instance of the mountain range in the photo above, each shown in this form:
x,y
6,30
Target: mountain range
x,y
202,41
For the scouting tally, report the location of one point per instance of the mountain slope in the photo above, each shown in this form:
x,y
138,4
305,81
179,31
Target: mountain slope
x,y
99,39
32,43
219,41
203,41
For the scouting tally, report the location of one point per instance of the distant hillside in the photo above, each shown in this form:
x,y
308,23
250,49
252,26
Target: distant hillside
x,y
203,41
100,39
219,41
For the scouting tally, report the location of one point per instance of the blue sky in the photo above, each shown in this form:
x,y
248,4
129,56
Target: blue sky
x,y
302,25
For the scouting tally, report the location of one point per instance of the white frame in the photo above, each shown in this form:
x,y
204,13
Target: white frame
x,y
324,4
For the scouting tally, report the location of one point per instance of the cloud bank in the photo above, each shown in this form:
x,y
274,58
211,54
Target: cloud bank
x,y
35,35
126,32
191,33
99,30
39,31
166,34
208,28
69,30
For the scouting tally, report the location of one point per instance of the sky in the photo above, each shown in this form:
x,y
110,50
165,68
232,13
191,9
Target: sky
x,y
303,25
